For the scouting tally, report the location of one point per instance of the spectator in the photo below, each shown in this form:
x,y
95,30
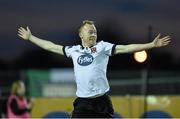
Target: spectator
x,y
17,104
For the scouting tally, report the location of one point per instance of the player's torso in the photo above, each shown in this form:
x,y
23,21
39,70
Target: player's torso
x,y
90,66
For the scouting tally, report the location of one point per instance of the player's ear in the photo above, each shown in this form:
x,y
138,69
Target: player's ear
x,y
80,34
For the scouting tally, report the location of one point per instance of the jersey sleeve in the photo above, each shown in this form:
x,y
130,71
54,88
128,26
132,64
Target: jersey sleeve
x,y
67,50
108,48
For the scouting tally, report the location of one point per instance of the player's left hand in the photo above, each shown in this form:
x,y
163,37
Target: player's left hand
x,y
160,42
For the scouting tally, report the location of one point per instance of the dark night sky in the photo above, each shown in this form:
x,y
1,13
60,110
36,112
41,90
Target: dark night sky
x,y
58,21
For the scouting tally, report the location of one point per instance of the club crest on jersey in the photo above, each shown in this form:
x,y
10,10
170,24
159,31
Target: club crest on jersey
x,y
93,50
85,60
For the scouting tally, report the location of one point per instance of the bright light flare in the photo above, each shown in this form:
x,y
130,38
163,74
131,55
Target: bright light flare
x,y
141,56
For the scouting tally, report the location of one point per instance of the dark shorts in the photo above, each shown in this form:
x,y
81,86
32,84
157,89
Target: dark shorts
x,y
100,107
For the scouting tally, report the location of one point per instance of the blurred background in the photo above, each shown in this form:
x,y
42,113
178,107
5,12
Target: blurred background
x,y
149,88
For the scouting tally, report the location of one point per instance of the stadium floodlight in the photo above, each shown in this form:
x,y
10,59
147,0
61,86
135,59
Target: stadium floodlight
x,y
141,56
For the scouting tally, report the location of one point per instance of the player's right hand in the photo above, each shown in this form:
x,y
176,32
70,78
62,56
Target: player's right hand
x,y
24,33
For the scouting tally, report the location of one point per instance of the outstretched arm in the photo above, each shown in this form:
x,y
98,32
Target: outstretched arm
x,y
47,45
157,42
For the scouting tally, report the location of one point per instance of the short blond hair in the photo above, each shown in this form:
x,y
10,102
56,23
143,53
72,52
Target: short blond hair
x,y
15,87
84,23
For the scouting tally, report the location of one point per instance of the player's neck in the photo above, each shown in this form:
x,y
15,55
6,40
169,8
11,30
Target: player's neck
x,y
85,44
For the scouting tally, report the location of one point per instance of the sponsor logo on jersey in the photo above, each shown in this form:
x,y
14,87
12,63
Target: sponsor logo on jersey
x,y
85,60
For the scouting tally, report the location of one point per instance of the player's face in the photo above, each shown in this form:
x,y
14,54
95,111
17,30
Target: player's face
x,y
89,34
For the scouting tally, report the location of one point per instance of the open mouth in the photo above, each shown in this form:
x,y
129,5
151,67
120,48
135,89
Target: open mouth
x,y
92,38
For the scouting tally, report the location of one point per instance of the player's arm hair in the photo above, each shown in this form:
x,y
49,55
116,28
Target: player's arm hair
x,y
120,49
47,45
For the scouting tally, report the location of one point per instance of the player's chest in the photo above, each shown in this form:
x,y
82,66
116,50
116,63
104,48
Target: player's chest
x,y
85,57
